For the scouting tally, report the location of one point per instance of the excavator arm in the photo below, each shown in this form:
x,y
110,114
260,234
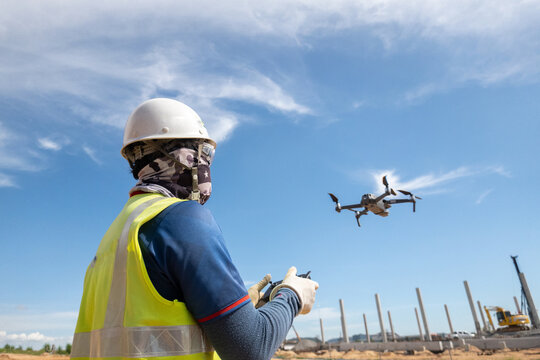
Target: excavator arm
x,y
489,318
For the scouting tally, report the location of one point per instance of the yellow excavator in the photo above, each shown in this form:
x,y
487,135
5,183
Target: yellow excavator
x,y
507,321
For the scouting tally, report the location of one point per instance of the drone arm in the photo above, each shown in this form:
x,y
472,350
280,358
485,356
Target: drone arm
x,y
387,191
353,206
398,201
382,196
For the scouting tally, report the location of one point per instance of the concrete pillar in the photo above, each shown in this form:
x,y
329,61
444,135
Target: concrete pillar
x,y
449,320
297,334
485,328
381,321
343,322
517,305
533,314
423,312
391,327
471,304
419,325
322,332
367,332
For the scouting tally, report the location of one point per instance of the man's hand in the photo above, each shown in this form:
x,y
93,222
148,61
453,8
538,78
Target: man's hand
x,y
255,293
303,287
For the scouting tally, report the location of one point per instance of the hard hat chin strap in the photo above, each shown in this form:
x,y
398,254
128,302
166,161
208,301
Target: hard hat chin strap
x,y
195,192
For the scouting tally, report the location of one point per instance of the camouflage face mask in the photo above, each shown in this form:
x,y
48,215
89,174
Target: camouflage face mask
x,y
166,176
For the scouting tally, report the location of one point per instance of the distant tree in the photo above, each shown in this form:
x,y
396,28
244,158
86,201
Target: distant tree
x,y
47,347
29,349
59,350
68,349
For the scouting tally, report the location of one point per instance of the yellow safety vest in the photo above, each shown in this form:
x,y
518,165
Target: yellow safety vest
x,y
122,316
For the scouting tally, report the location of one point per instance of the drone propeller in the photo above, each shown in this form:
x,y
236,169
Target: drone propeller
x,y
385,183
335,199
409,194
413,198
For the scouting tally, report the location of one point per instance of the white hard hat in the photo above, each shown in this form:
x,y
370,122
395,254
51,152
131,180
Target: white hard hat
x,y
162,118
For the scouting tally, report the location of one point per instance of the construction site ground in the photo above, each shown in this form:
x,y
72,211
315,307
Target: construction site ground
x,y
456,354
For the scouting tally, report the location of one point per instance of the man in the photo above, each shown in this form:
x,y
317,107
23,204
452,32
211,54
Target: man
x,y
162,283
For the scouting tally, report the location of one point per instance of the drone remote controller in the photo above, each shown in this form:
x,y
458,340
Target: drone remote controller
x,y
266,296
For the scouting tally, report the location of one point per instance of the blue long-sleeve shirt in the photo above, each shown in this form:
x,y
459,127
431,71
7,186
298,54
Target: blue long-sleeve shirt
x,y
186,259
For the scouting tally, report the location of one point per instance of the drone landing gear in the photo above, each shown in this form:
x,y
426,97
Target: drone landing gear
x,y
358,214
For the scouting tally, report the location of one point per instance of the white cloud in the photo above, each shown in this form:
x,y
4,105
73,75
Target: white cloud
x,y
499,170
35,336
174,69
26,327
489,41
6,181
49,144
423,181
91,154
257,89
222,126
358,104
33,339
483,195
14,155
31,321
421,92
431,180
113,83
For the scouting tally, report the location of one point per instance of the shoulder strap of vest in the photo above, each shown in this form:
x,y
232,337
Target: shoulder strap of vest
x,y
114,317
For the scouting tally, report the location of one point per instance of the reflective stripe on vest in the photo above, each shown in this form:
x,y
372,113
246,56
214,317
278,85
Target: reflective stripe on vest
x,y
115,339
140,342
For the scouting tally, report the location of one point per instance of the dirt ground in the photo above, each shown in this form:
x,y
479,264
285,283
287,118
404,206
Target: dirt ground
x,y
33,357
457,354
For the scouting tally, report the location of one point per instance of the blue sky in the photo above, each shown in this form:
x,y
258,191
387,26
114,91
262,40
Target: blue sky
x,y
304,98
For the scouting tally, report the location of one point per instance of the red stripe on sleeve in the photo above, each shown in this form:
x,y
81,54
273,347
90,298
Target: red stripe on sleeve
x,y
224,310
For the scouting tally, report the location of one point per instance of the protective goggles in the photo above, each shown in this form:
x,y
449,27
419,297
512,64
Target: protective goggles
x,y
208,150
